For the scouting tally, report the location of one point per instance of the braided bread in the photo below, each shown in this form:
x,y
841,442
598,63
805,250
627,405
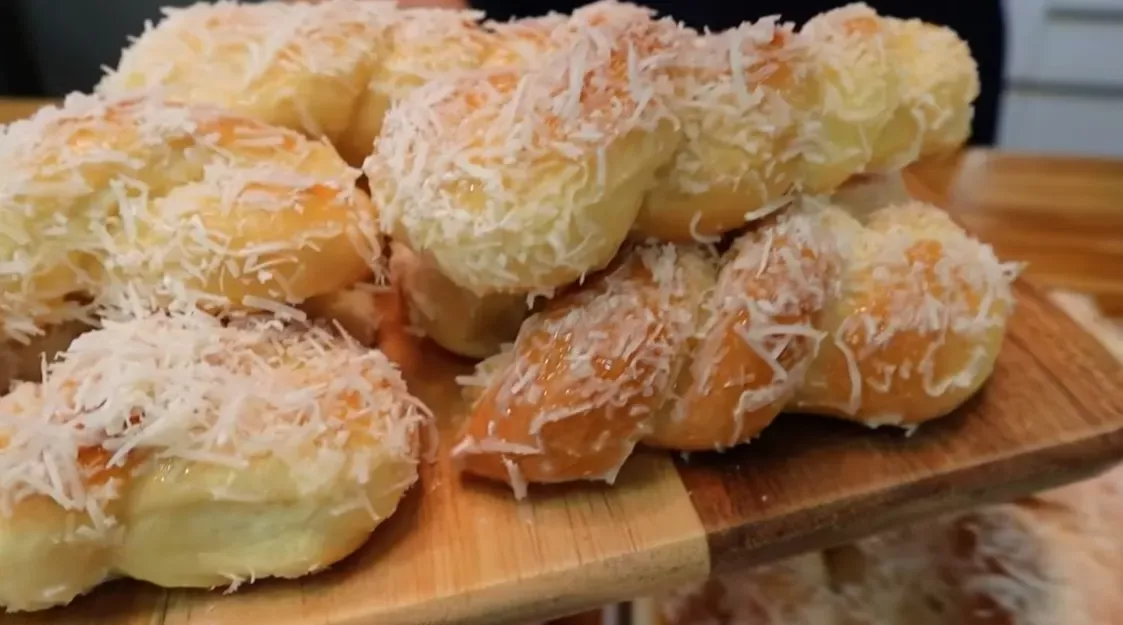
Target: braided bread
x,y
301,66
235,440
142,199
327,69
765,113
894,320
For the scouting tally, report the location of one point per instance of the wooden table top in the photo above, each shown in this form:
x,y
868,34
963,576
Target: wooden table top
x,y
1062,215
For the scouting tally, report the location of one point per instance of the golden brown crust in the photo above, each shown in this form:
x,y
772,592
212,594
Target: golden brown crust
x,y
297,65
574,395
170,202
894,319
757,337
207,455
919,322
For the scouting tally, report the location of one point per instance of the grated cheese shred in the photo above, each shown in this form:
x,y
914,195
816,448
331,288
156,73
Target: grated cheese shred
x,y
186,387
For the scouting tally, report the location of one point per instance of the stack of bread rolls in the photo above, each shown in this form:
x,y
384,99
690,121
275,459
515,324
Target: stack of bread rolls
x,y
645,234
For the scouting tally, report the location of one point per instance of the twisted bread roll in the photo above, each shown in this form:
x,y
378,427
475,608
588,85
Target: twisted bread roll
x,y
765,111
297,65
129,200
756,339
541,227
896,320
918,322
426,45
940,81
328,69
858,96
768,112
575,394
743,97
526,180
263,451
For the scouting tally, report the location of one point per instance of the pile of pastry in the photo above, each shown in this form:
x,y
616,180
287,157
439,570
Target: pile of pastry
x,y
645,234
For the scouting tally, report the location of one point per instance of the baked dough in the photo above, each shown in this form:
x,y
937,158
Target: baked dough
x,y
744,97
525,180
895,318
298,65
136,201
179,451
576,392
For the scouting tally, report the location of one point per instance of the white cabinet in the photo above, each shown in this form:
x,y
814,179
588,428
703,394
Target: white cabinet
x,y
1065,77
1062,124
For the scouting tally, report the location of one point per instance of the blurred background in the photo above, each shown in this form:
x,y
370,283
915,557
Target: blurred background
x,y
1062,91
1064,77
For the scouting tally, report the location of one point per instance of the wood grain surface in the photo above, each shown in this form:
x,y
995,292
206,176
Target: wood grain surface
x,y
1064,216
465,552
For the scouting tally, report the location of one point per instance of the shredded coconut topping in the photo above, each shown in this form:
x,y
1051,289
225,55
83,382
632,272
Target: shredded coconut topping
x,y
298,65
923,306
600,360
760,333
139,198
187,388
497,174
740,96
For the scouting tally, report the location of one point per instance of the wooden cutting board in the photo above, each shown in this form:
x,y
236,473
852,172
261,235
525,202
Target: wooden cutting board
x,y
466,552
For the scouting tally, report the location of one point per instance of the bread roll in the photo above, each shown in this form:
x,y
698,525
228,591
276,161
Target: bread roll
x,y
919,322
894,319
758,335
303,66
140,201
859,94
524,181
743,97
178,451
940,83
575,394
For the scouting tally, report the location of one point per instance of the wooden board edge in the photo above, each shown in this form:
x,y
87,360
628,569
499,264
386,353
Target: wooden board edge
x,y
559,594
734,545
732,548
1082,310
678,557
